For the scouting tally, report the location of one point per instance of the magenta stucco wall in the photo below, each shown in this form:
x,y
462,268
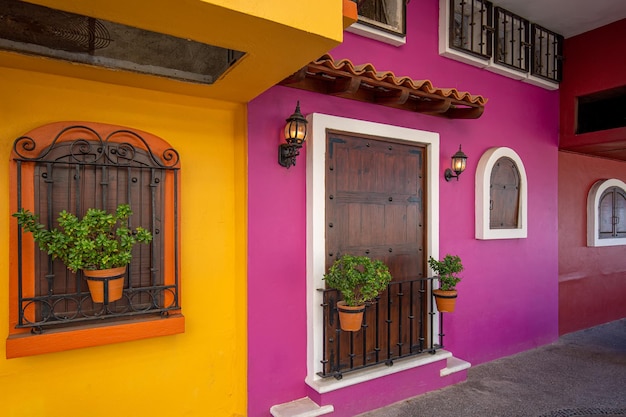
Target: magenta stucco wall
x,y
509,296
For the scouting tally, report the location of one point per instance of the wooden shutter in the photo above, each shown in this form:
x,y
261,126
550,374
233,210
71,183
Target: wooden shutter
x,y
612,213
504,195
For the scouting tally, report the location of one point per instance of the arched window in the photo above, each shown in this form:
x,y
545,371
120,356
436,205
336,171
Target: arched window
x,y
606,213
504,193
501,194
73,167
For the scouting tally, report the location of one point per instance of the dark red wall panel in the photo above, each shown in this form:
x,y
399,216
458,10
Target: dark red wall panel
x,y
592,281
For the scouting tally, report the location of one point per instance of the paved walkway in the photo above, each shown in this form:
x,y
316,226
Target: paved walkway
x,y
582,374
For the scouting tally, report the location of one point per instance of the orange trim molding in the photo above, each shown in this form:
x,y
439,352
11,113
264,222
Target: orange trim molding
x,y
20,341
26,344
350,14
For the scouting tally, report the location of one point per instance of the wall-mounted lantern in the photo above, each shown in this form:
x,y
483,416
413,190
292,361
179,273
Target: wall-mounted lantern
x,y
459,161
295,135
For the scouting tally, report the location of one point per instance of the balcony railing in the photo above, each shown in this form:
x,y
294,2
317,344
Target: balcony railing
x,y
400,324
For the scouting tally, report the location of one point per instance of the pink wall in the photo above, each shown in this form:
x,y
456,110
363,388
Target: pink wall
x,y
508,298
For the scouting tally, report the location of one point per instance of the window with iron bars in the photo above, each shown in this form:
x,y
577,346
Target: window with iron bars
x,y
481,29
547,53
96,166
471,26
512,40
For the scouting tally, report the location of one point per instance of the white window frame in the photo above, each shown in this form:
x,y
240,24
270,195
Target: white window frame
x,y
372,29
483,195
319,124
376,34
593,215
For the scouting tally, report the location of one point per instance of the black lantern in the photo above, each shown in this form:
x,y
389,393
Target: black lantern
x,y
295,135
459,161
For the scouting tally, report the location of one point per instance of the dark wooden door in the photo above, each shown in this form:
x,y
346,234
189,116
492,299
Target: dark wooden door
x,y
375,207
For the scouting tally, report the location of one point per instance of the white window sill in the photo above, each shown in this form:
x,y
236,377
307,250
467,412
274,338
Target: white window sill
x,y
324,385
379,35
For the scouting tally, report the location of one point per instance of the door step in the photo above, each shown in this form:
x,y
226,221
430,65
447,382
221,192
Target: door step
x,y
304,407
454,365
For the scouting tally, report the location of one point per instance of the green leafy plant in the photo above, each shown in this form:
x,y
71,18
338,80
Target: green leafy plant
x,y
358,278
447,271
100,240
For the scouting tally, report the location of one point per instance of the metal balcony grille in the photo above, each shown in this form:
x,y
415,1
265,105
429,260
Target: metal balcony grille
x,y
547,54
79,169
471,26
387,333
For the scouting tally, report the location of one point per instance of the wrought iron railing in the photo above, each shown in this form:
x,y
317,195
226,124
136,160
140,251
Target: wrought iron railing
x,y
80,168
400,324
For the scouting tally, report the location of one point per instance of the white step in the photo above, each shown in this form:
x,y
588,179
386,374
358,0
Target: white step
x,y
454,365
304,407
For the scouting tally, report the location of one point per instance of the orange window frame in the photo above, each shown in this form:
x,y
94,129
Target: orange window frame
x,y
20,341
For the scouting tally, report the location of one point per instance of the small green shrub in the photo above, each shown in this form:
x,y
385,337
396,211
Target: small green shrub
x,y
358,278
100,240
447,270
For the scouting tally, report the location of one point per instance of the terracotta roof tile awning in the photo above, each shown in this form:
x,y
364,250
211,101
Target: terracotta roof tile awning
x,y
364,83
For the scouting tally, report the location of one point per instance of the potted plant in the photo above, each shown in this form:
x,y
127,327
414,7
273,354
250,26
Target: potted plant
x,y
447,271
359,279
100,244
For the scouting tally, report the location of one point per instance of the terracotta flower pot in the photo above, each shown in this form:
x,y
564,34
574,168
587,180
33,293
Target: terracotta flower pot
x,y
350,318
114,280
446,300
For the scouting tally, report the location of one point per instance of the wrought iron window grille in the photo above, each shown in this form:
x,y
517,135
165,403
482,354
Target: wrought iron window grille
x,y
512,40
471,25
498,36
547,54
80,169
408,333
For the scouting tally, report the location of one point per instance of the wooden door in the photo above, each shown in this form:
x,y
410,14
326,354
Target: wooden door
x,y
375,207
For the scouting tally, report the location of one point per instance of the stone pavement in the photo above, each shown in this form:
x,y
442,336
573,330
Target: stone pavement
x,y
583,374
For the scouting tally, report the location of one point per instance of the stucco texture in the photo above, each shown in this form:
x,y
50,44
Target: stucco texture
x,y
508,298
591,280
199,372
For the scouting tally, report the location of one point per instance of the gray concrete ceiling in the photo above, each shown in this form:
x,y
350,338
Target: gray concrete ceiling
x,y
567,17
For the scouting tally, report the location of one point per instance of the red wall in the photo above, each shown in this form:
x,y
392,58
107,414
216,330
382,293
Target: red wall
x,y
592,281
594,61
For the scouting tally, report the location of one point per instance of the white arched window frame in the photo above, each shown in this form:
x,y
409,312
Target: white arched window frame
x,y
593,214
483,181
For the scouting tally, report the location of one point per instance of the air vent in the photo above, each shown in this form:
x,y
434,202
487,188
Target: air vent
x,y
38,30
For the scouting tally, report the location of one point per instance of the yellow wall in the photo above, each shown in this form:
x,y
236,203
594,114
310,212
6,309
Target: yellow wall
x,y
201,372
